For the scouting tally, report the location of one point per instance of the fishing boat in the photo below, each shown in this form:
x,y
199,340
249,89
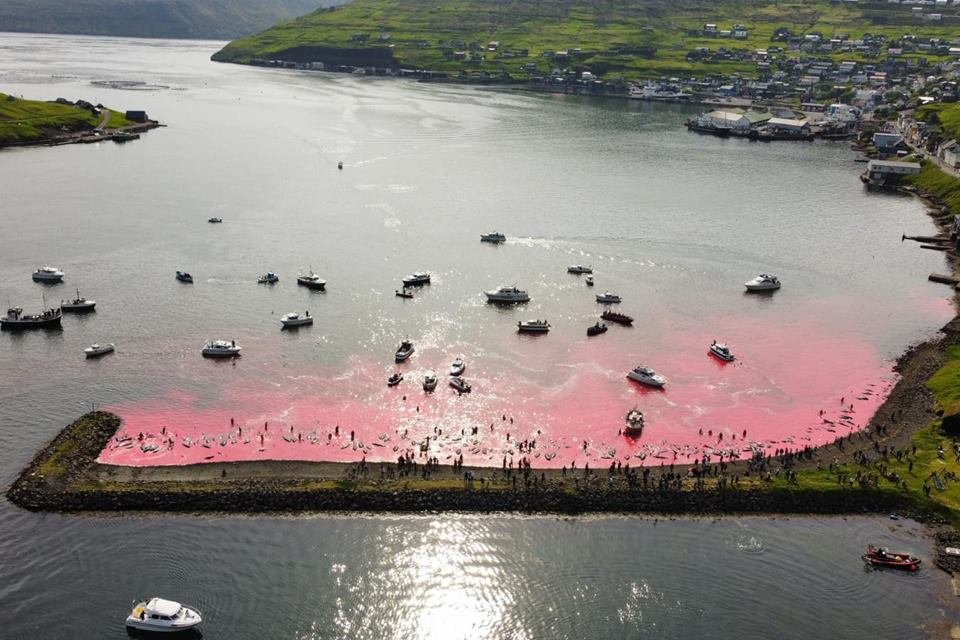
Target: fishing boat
x,y
494,238
16,319
507,295
880,557
763,282
647,376
96,350
721,351
395,379
296,319
430,381
633,422
215,220
220,349
183,276
457,367
78,304
311,281
597,329
48,275
404,351
461,385
533,326
163,616
589,281
417,279
268,278
619,318
579,268
402,294
608,298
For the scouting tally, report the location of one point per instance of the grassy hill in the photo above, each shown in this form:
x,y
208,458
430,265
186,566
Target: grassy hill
x,y
24,120
213,19
625,37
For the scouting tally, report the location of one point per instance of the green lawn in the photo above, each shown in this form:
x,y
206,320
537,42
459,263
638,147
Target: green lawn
x,y
934,181
22,120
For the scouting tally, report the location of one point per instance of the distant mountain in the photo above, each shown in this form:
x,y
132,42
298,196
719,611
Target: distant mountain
x,y
204,19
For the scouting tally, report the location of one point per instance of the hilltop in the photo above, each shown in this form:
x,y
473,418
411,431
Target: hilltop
x,y
617,38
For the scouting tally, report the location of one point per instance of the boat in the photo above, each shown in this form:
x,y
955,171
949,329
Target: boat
x,y
533,326
509,295
579,268
17,319
296,319
340,165
78,304
597,329
404,351
721,351
608,298
124,136
221,349
96,350
395,379
215,220
416,279
183,276
494,237
163,616
402,294
763,282
430,381
619,318
461,385
457,367
633,422
48,274
647,376
311,281
880,557
268,278
589,281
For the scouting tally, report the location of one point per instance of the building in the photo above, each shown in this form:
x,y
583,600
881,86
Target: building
x,y
949,154
887,142
789,125
882,172
137,116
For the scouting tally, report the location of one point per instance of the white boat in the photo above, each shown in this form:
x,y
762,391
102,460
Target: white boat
x,y
494,237
507,294
647,376
296,319
589,281
48,274
404,351
533,326
430,381
311,281
579,268
395,379
763,282
268,278
96,350
633,422
78,304
163,616
461,385
221,349
722,351
457,367
608,298
416,279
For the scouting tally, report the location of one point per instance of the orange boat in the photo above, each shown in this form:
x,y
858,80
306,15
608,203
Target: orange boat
x,y
880,557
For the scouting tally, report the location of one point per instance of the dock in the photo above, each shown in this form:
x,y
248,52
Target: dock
x,y
939,277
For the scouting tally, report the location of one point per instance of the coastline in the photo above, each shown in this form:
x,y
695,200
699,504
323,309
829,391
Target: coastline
x,y
85,137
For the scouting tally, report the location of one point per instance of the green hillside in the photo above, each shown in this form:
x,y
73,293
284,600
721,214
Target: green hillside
x,y
630,38
24,120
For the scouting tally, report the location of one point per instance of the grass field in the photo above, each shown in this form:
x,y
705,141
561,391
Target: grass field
x,y
25,120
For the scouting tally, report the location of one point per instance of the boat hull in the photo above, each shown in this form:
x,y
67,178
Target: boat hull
x,y
98,353
729,357
26,325
142,625
78,308
313,286
216,353
649,382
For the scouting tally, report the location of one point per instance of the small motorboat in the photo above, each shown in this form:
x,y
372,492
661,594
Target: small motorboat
x,y
722,351
430,381
880,557
633,422
494,237
163,616
49,275
589,281
402,294
458,367
579,268
763,282
311,281
416,279
597,329
404,351
608,298
96,350
461,385
619,318
78,304
296,319
183,276
507,295
395,379
268,278
340,165
214,220
533,326
221,349
647,376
